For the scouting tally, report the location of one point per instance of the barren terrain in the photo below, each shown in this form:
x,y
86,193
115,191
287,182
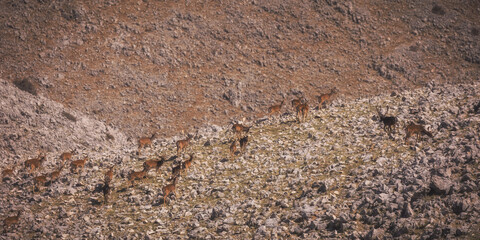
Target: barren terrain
x,y
166,66
337,175
95,76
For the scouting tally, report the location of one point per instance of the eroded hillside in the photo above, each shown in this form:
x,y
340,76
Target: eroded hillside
x,y
167,66
33,124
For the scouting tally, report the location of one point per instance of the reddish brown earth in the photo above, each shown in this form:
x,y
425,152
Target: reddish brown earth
x,y
167,66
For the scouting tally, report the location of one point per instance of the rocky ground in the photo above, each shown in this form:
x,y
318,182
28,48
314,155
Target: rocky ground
x,y
338,175
29,124
105,73
166,66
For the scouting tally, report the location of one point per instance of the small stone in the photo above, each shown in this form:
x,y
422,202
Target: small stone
x,y
271,222
335,225
262,230
321,187
440,186
381,161
375,234
460,205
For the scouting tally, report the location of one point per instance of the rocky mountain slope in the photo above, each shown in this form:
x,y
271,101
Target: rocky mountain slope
x,y
30,124
337,175
166,66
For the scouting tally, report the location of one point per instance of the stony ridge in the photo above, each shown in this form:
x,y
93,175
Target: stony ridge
x,y
338,175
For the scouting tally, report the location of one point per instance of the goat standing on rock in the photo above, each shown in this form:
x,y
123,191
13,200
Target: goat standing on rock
x,y
145,142
177,170
35,163
239,129
302,112
136,176
153,163
188,163
67,156
183,144
78,164
7,172
109,175
413,128
8,222
233,148
326,98
275,108
56,174
243,143
39,182
170,188
106,189
298,101
389,122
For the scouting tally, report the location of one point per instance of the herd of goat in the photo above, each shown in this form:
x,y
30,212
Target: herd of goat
x,y
240,136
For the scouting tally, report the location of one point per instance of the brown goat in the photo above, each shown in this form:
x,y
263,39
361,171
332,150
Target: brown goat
x,y
109,175
182,144
78,164
416,129
106,189
233,148
136,176
39,182
170,188
298,101
238,129
176,171
327,97
153,163
55,174
243,143
35,163
302,112
67,155
188,163
7,172
8,222
146,141
275,108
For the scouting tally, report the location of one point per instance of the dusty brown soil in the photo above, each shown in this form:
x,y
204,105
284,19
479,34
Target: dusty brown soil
x,y
168,66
